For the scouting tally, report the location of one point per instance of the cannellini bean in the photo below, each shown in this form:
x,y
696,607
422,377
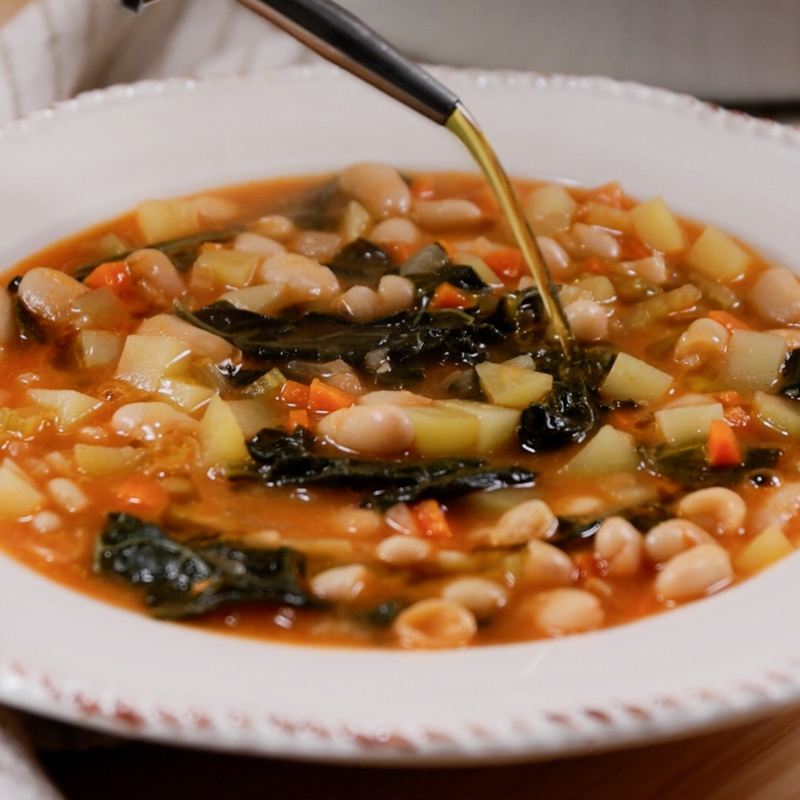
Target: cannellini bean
x,y
201,343
401,550
68,495
213,208
703,341
318,245
563,611
595,240
620,545
555,257
359,302
395,230
781,506
695,572
437,215
532,519
716,509
356,522
480,595
673,536
546,565
369,429
304,278
776,295
652,269
275,226
435,622
46,522
49,294
395,293
149,420
155,269
588,320
340,584
378,187
255,243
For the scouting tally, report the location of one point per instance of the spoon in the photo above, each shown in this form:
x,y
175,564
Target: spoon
x,y
342,38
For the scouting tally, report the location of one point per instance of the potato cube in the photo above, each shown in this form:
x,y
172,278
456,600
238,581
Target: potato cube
x,y
443,431
185,395
631,378
752,361
513,386
97,459
162,220
609,451
69,408
717,256
765,549
221,437
265,298
97,348
684,425
224,267
657,226
778,413
147,360
496,424
19,496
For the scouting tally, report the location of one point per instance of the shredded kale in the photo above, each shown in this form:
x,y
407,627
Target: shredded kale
x,y
572,530
287,459
186,580
30,329
361,262
790,384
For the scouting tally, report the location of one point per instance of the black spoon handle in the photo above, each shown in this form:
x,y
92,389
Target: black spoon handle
x,y
342,38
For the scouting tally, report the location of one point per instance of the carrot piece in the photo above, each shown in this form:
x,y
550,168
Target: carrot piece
x,y
727,319
324,398
116,275
448,296
298,417
431,519
148,497
293,394
508,264
724,449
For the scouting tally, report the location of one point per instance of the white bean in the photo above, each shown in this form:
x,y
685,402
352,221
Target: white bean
x,y
716,509
564,611
595,240
703,341
46,522
255,243
395,293
401,550
435,622
673,536
395,230
555,257
436,215
588,320
156,270
202,343
216,209
304,279
49,294
149,420
359,302
378,187
318,245
356,522
652,269
776,295
370,429
781,506
693,573
68,495
340,584
620,545
546,565
480,595
275,226
532,519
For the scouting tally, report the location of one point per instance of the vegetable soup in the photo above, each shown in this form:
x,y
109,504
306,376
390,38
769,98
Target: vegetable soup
x,y
330,410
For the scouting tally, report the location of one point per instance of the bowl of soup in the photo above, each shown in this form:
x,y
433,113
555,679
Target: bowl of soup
x,y
282,406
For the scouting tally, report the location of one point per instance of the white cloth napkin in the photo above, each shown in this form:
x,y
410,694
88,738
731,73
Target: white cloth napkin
x,y
53,49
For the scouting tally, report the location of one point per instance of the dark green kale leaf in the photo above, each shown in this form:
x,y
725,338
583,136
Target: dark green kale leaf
x,y
186,580
790,371
689,465
573,530
361,262
288,460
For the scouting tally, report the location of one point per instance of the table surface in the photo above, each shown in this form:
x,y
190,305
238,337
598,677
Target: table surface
x,y
757,761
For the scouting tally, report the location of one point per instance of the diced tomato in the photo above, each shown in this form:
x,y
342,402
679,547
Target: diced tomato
x,y
724,449
508,264
431,519
143,495
294,394
116,275
324,398
448,296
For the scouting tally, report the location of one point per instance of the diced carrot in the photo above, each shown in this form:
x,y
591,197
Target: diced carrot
x,y
724,449
508,264
143,494
448,247
448,296
293,394
431,519
324,398
423,187
298,417
116,275
727,319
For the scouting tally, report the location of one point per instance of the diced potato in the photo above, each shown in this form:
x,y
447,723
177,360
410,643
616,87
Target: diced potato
x,y
549,209
617,219
684,425
161,220
599,287
496,424
147,360
226,267
266,298
356,220
267,385
252,416
443,431
480,268
512,386
99,308
657,226
752,361
717,256
19,496
183,394
69,408
779,413
221,437
96,459
97,348
609,451
631,378
765,549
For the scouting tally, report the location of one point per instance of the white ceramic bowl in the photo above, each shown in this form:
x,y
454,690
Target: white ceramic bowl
x,y
704,665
